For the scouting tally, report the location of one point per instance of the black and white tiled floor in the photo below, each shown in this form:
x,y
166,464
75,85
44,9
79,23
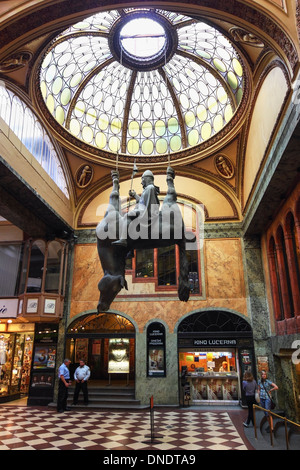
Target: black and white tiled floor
x,y
42,428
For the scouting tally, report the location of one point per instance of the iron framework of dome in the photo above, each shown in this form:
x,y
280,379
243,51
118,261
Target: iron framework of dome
x,y
104,87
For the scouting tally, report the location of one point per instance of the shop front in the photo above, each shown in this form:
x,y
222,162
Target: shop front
x,y
16,345
215,350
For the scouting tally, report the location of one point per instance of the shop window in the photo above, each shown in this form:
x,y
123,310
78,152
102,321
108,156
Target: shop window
x,y
144,263
161,265
15,363
36,266
215,349
23,274
10,257
53,267
43,267
166,266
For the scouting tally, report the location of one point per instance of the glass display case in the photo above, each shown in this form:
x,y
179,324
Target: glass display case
x,y
15,363
210,375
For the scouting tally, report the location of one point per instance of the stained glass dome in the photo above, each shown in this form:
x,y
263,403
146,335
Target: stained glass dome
x,y
142,82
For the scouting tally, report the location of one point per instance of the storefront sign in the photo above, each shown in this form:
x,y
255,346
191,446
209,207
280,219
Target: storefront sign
x,y
8,308
156,350
215,342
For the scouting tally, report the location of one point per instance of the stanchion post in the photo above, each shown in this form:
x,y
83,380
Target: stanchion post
x,y
151,419
254,419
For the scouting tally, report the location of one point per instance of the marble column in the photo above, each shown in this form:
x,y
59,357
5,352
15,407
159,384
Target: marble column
x,y
256,297
164,389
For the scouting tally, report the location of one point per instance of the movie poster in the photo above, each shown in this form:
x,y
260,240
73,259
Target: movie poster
x,y
118,356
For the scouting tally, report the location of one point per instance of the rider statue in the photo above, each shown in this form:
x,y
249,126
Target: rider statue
x,y
146,209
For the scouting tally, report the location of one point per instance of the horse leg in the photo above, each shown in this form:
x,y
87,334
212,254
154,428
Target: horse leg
x,y
171,196
183,286
112,261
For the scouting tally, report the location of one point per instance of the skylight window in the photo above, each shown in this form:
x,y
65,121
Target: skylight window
x,y
141,83
142,37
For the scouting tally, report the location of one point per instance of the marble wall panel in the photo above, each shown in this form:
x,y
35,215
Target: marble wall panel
x,y
224,280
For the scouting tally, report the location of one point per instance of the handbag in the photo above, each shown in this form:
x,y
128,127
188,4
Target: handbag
x,y
257,397
273,404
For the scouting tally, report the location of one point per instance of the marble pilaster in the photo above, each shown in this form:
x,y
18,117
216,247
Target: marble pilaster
x,y
256,297
164,389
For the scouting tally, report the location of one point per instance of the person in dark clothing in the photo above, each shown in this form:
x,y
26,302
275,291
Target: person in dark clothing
x,y
63,386
250,387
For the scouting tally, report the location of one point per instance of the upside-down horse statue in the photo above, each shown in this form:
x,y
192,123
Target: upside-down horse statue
x,y
146,226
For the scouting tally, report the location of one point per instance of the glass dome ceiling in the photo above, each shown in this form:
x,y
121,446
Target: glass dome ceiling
x,y
141,82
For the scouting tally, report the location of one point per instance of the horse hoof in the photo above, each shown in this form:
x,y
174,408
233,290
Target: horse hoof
x,y
184,294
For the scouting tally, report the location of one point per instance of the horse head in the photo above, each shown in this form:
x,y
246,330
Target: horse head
x,y
109,286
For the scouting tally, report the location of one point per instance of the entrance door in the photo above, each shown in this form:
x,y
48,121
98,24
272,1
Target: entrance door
x,y
106,342
95,358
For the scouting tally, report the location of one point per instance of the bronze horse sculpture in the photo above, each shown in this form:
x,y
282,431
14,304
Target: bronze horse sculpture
x,y
147,226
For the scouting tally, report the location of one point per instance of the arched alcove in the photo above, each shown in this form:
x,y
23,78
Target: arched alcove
x,y
215,349
97,338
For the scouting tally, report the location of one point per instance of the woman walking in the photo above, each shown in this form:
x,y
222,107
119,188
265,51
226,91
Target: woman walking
x,y
266,387
250,387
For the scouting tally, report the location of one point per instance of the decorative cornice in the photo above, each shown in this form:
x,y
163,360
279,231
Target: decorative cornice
x,y
235,8
201,176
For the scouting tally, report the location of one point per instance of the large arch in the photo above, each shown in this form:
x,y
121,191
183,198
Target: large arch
x,y
240,319
95,338
215,349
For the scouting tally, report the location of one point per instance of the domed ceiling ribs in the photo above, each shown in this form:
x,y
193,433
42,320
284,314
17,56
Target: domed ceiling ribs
x,y
145,106
81,87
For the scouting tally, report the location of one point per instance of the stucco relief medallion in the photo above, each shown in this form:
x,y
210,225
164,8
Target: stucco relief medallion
x,y
15,61
243,36
224,166
84,176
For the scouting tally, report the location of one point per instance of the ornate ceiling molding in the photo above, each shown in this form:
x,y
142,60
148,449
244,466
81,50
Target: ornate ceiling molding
x,y
212,180
49,16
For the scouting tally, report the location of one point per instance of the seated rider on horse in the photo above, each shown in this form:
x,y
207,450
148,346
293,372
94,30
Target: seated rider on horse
x,y
146,209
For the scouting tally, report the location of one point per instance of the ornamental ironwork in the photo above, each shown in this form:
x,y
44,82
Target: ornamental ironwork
x,y
144,92
214,321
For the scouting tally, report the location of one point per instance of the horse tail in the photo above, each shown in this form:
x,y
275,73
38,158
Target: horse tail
x,y
184,286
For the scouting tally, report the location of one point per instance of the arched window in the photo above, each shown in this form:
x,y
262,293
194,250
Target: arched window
x,y
44,265
284,274
275,283
292,251
22,121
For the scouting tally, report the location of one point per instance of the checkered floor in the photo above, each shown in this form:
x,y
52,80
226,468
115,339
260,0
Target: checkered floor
x,y
40,428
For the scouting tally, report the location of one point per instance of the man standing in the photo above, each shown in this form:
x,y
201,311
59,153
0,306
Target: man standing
x,y
63,385
81,376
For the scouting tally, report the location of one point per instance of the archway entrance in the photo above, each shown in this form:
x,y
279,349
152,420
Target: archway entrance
x,y
106,342
215,349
